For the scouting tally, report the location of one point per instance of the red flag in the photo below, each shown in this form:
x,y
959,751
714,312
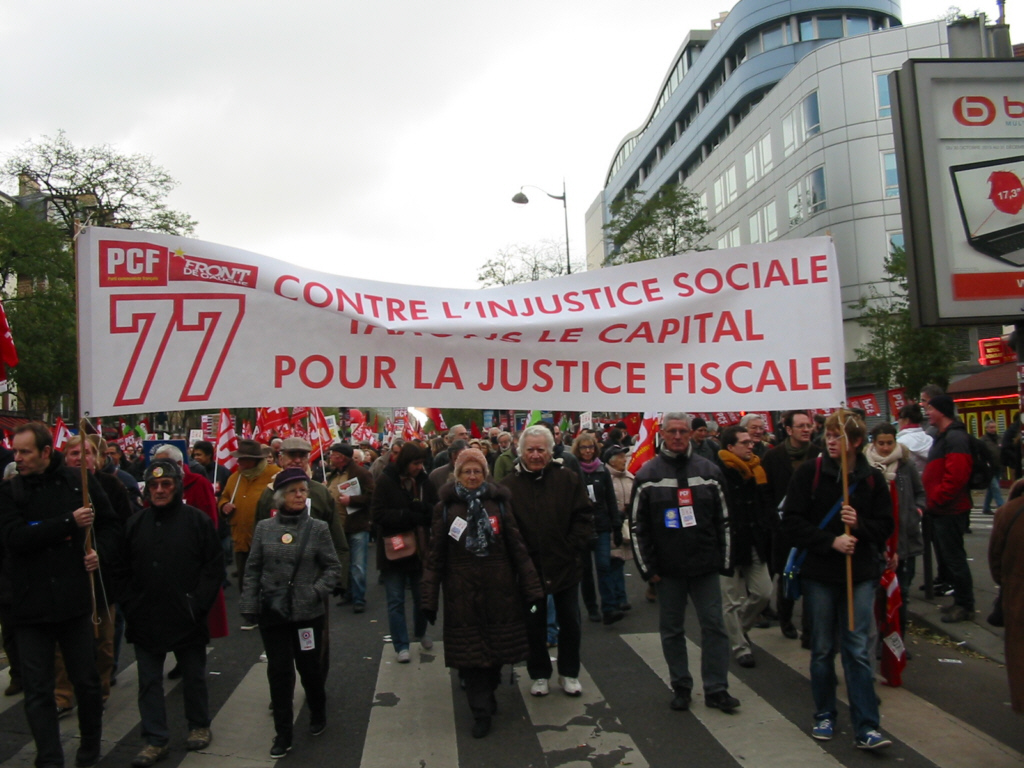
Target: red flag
x,y
269,420
645,442
434,414
887,609
8,353
227,441
319,434
61,434
633,422
376,423
246,430
474,430
298,414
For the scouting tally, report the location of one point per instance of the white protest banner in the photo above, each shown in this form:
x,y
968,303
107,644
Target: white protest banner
x,y
169,323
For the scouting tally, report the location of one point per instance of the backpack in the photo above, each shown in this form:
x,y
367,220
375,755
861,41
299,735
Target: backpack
x,y
982,466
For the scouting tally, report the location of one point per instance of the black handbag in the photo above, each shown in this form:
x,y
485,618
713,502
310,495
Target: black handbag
x,y
276,604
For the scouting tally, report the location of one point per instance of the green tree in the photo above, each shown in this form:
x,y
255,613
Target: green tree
x,y
99,185
60,185
37,289
897,354
525,263
670,221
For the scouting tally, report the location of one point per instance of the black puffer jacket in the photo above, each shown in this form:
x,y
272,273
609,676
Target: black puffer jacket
x,y
45,555
663,549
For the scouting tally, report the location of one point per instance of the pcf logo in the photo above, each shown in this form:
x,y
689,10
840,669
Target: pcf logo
x,y
132,264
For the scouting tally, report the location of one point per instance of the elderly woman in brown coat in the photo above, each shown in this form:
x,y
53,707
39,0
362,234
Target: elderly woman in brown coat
x,y
477,554
1006,561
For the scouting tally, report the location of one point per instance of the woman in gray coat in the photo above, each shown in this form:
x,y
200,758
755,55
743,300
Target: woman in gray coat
x,y
292,555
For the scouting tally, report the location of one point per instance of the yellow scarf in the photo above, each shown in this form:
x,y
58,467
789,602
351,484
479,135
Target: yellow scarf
x,y
747,469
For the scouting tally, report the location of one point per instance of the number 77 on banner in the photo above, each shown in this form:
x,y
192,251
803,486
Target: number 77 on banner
x,y
176,327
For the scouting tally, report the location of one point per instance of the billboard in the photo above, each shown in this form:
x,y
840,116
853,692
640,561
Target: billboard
x,y
959,128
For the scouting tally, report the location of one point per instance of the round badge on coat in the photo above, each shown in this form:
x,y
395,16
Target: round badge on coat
x,y
287,539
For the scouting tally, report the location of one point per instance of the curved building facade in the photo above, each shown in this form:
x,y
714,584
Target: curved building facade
x,y
780,121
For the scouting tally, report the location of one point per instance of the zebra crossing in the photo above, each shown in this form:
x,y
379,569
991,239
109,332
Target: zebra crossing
x,y
416,716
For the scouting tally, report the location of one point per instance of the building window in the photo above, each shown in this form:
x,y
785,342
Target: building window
x,y
812,120
807,29
750,173
773,38
765,147
895,240
796,207
807,197
725,189
763,224
730,239
857,25
800,124
816,190
830,27
702,203
890,181
882,89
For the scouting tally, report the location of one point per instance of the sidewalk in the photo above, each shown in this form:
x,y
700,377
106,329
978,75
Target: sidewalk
x,y
977,635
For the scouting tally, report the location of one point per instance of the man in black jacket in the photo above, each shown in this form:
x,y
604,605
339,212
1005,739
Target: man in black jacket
x,y
679,520
43,525
175,569
746,592
554,516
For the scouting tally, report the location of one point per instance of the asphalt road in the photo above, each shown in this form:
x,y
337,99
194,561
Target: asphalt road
x,y
953,709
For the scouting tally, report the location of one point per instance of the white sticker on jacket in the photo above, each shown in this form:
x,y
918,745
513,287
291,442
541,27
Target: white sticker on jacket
x,y
458,528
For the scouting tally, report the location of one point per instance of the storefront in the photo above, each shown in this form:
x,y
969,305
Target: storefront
x,y
991,394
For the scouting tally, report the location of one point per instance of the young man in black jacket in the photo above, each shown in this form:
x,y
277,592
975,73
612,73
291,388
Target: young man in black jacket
x,y
43,525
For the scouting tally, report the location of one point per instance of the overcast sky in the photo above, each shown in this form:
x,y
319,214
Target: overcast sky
x,y
381,140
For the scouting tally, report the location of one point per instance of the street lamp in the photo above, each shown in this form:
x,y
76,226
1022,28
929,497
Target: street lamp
x,y
522,199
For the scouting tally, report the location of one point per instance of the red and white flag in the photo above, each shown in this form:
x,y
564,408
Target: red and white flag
x,y
61,434
8,353
227,441
269,420
246,429
645,442
319,434
434,414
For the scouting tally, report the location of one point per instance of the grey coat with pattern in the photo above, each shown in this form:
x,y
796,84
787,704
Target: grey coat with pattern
x,y
271,562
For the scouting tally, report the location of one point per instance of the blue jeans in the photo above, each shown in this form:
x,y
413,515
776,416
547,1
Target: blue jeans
x,y
605,577
395,582
830,632
992,494
618,578
357,544
552,622
706,594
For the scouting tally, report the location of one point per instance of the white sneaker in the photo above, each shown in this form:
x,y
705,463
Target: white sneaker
x,y
403,656
539,687
263,657
426,643
571,686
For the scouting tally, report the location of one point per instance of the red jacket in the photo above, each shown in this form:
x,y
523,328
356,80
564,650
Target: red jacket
x,y
948,472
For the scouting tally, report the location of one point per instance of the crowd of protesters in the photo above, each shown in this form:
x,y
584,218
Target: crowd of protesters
x,y
503,536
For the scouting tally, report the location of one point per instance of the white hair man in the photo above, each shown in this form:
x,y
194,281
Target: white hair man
x,y
554,516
